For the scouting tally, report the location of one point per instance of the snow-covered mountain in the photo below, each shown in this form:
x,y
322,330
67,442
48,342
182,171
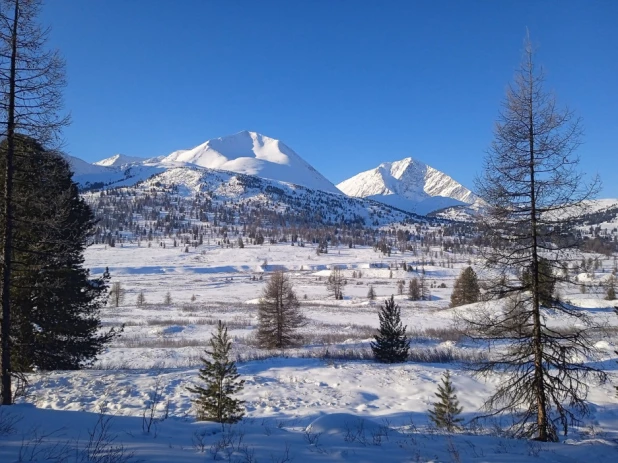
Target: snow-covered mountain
x,y
409,185
253,154
119,160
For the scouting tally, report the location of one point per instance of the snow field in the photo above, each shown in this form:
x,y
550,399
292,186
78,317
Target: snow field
x,y
299,408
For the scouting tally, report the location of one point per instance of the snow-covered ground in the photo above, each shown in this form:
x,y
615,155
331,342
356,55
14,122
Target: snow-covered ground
x,y
303,406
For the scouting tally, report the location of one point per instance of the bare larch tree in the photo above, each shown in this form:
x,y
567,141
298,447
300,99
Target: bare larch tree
x,y
530,177
279,314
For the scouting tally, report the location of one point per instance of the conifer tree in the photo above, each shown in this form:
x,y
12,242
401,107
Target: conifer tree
x,y
279,314
530,177
391,343
56,303
414,290
610,295
31,81
220,378
141,299
335,283
446,410
466,289
116,294
371,294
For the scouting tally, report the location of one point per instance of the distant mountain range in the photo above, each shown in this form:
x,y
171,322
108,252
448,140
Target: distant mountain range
x,y
407,184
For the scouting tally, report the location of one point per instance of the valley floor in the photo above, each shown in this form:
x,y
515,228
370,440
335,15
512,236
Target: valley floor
x,y
304,406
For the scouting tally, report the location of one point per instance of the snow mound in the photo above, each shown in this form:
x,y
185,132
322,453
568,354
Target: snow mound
x,y
344,423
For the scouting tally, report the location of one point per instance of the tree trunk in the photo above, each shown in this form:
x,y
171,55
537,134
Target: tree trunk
x,y
536,305
5,330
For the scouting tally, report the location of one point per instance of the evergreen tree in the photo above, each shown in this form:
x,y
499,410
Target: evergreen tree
x,y
466,289
279,314
220,378
167,300
31,80
371,294
414,290
445,411
55,303
391,343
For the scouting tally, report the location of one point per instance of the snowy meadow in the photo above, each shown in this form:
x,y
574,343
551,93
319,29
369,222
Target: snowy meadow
x,y
326,400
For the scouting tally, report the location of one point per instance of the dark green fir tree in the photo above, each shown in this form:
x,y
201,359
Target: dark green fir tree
x,y
391,343
219,375
446,410
55,302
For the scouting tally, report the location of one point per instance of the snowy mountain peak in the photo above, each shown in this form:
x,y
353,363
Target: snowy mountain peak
x,y
410,185
118,160
254,154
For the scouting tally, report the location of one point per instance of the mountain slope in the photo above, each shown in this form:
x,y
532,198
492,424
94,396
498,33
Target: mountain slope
x,y
253,154
409,185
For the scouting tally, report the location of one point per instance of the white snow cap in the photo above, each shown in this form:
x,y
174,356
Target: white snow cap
x,y
253,154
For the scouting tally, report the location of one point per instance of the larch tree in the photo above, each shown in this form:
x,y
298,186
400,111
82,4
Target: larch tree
x,y
466,289
117,294
530,176
414,290
336,282
279,314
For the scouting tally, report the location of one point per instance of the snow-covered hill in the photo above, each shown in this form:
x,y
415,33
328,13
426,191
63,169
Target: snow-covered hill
x,y
410,185
227,188
253,154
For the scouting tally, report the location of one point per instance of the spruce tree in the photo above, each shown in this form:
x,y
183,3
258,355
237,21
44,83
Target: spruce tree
x,y
220,378
56,303
31,81
445,411
391,343
371,294
466,289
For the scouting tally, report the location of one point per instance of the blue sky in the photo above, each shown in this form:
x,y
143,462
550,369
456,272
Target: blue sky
x,y
346,84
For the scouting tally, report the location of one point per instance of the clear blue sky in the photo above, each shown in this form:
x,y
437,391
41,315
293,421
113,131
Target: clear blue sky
x,y
347,84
